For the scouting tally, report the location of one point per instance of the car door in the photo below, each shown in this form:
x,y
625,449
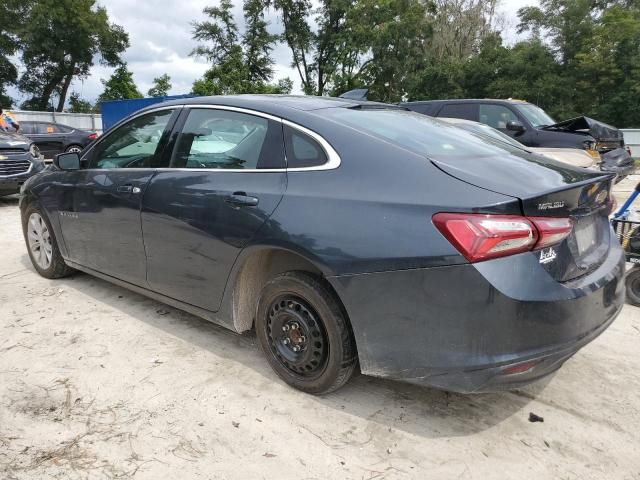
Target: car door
x,y
226,178
466,111
497,116
48,139
100,208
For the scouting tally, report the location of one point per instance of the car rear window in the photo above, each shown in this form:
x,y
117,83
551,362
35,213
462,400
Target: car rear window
x,y
419,133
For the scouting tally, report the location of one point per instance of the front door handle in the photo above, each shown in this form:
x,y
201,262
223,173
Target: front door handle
x,y
241,199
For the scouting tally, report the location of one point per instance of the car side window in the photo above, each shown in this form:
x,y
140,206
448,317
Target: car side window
x,y
496,116
224,139
63,129
132,145
27,128
44,128
302,150
467,111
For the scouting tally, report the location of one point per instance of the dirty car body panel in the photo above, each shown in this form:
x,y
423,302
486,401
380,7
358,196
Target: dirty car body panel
x,y
420,309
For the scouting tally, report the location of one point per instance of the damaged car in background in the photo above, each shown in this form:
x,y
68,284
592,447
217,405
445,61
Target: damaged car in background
x,y
19,160
532,126
570,156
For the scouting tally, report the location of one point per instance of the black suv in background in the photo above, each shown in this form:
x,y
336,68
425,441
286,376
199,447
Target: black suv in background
x,y
533,127
55,138
19,160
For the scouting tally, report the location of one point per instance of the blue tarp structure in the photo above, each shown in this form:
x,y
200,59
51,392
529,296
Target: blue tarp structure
x,y
115,110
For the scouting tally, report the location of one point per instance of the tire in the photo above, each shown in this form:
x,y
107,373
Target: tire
x,y
632,283
73,148
298,310
42,245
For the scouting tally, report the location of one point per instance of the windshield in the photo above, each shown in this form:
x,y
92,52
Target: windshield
x,y
536,116
421,134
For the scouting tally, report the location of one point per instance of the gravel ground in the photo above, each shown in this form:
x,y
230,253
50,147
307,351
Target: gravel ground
x,y
98,382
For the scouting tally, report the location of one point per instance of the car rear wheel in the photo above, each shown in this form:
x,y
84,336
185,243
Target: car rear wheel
x,y
305,334
73,149
42,246
633,286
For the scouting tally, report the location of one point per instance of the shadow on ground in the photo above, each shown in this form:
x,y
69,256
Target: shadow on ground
x,y
417,410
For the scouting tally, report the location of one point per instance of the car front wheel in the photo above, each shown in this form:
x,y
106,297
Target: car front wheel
x,y
305,334
42,246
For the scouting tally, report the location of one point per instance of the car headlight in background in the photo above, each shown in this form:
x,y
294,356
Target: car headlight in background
x,y
592,149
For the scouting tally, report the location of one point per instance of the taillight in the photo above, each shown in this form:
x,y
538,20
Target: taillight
x,y
92,136
551,230
481,237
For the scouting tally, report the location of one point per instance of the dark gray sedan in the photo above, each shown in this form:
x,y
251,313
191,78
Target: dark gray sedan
x,y
348,234
54,138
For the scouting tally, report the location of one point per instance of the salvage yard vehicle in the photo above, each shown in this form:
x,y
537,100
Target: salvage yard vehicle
x,y
53,138
533,127
572,156
347,234
19,160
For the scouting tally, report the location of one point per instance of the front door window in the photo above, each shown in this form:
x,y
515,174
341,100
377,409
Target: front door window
x,y
133,145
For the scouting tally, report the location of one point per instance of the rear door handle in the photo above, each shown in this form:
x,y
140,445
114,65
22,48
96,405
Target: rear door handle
x,y
128,189
241,199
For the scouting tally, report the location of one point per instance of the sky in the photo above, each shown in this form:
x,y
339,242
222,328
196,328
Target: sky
x,y
160,36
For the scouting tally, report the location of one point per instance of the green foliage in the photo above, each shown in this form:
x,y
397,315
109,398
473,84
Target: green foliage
x,y
58,41
161,86
120,85
78,105
241,63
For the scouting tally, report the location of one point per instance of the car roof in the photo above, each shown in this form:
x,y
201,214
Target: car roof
x,y
24,122
511,101
271,104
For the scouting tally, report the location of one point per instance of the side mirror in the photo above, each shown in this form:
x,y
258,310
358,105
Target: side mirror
x,y
515,126
67,161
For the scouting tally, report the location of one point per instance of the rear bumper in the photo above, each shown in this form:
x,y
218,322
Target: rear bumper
x,y
459,327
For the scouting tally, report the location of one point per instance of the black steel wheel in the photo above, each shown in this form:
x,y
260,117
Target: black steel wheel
x,y
633,286
304,333
297,337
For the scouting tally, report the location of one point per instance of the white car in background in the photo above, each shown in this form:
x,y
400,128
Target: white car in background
x,y
572,156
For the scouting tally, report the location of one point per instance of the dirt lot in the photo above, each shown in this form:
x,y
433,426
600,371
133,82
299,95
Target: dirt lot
x,y
98,382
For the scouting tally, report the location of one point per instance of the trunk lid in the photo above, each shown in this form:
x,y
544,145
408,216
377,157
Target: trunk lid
x,y
547,188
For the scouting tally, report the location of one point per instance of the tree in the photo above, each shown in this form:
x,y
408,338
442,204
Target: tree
x,y
11,22
120,85
161,86
60,40
241,63
78,105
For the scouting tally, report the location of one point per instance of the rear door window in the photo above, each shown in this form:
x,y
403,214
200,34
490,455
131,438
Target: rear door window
x,y
496,116
468,111
44,128
223,139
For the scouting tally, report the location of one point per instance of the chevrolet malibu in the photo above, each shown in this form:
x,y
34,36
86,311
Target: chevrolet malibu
x,y
349,235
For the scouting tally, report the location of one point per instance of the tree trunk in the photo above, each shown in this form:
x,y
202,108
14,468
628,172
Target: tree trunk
x,y
65,88
46,93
